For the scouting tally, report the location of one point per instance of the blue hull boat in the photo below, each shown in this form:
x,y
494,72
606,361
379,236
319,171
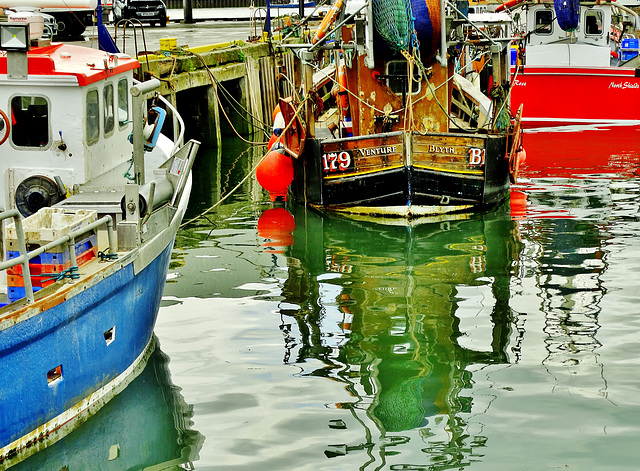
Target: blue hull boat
x,y
93,194
146,426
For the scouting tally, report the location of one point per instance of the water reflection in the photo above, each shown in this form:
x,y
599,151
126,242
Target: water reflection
x,y
568,258
398,314
498,341
585,172
146,426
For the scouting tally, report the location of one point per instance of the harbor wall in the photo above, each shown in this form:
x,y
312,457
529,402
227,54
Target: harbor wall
x,y
222,88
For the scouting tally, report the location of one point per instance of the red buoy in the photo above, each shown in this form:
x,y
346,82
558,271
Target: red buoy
x,y
272,143
521,155
275,173
276,225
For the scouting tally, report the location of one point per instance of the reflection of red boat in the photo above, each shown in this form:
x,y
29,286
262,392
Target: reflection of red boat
x,y
582,159
571,151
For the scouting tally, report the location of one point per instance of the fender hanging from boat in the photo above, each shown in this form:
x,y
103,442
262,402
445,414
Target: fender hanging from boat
x,y
152,127
516,154
342,89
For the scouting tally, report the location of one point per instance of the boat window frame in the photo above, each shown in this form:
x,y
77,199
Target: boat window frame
x,y
15,119
95,117
416,73
590,13
543,32
123,92
108,105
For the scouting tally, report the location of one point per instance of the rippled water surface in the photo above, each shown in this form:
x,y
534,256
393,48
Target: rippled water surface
x,y
506,340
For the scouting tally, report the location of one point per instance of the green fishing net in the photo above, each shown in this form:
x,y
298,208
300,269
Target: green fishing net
x,y
393,20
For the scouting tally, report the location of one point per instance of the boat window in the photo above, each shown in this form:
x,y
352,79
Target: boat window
x,y
593,23
397,77
109,116
30,118
123,102
544,22
93,117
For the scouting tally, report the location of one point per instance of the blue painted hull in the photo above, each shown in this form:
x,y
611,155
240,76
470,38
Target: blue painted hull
x,y
71,334
149,422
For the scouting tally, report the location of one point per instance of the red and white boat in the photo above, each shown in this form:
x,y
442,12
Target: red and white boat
x,y
576,67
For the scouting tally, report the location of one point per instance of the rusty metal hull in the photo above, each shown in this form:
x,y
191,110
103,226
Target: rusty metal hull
x,y
403,174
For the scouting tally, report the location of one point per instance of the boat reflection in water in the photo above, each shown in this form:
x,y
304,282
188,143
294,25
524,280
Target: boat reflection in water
x,y
147,426
403,316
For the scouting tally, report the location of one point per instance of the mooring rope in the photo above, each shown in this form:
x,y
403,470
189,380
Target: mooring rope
x,y
253,169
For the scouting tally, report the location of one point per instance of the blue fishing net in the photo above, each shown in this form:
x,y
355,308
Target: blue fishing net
x,y
567,12
423,26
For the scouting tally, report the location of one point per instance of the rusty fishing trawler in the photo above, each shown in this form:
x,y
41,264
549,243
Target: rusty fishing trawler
x,y
404,133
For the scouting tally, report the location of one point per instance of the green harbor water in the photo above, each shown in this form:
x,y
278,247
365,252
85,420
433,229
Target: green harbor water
x,y
509,340
505,340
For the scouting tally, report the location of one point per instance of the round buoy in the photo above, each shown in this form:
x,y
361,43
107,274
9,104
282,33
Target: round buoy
x,y
275,174
521,155
276,225
276,110
272,143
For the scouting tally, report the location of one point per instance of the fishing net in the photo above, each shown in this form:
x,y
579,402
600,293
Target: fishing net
x,y
567,13
426,15
393,20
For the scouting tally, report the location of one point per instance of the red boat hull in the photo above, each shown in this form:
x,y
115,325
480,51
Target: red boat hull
x,y
555,96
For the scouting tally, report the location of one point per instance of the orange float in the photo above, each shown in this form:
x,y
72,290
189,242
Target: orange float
x,y
508,4
275,174
342,89
328,20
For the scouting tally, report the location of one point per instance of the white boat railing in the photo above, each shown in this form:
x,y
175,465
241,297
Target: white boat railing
x,y
178,131
69,240
140,92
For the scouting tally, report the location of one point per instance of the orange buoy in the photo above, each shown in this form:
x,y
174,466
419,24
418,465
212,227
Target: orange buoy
x,y
275,174
276,225
521,155
508,4
272,143
276,110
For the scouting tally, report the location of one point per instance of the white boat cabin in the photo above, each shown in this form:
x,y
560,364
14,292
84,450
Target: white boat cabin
x,y
64,123
587,45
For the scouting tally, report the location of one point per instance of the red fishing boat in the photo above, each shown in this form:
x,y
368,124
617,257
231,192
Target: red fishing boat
x,y
575,63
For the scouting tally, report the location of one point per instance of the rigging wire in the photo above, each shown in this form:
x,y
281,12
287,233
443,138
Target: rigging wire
x,y
253,169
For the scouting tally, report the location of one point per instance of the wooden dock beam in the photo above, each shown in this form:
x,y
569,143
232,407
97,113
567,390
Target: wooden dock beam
x,y
247,71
